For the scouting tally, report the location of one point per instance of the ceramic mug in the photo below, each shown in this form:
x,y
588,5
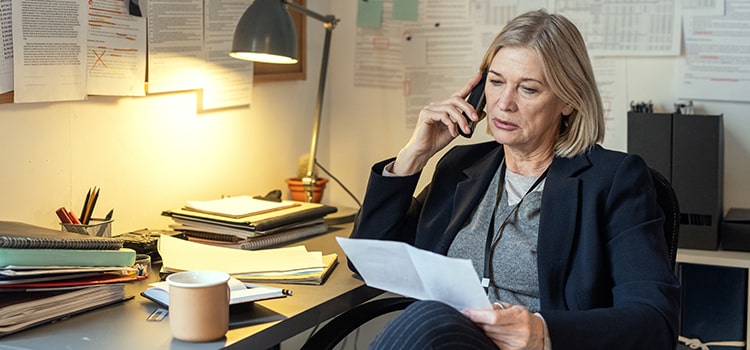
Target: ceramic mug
x,y
198,305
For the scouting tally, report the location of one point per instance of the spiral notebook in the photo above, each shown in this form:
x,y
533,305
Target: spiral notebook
x,y
261,242
21,235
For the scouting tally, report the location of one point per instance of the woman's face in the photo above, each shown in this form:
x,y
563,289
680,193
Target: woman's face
x,y
523,113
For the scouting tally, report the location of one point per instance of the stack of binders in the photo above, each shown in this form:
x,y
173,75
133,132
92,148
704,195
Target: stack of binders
x,y
46,275
249,223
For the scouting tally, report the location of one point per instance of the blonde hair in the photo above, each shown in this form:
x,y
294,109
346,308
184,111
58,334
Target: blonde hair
x,y
567,69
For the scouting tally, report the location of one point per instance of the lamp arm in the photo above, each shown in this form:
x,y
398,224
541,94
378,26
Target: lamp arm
x,y
329,23
319,105
328,20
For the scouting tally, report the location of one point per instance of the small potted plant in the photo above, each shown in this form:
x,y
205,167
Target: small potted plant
x,y
297,184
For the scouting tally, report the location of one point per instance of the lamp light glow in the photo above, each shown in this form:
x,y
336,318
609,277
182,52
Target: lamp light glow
x,y
263,57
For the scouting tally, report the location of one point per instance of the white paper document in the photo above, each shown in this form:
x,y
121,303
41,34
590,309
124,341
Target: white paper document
x,y
181,255
402,269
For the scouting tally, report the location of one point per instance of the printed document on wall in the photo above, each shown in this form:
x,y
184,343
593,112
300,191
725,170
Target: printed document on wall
x,y
717,56
611,79
228,81
622,28
176,57
49,41
6,44
378,53
116,50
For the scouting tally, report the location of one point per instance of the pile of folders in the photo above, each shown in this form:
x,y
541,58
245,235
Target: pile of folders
x,y
249,223
47,275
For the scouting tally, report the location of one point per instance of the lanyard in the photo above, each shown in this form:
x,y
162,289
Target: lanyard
x,y
492,237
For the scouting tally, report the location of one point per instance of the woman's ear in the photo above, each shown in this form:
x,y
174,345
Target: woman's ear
x,y
567,110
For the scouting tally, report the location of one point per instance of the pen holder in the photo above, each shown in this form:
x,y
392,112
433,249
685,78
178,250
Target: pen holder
x,y
99,228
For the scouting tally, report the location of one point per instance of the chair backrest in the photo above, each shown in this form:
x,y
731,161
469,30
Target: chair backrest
x,y
667,200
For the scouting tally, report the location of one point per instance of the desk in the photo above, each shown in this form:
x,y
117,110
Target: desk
x,y
720,258
269,322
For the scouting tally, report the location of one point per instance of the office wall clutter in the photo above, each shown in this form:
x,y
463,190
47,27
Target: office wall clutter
x,y
148,153
369,124
153,143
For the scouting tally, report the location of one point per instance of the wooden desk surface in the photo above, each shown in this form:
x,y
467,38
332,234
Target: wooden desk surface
x,y
264,324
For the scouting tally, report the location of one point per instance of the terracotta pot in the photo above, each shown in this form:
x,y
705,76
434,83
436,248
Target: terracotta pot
x,y
297,189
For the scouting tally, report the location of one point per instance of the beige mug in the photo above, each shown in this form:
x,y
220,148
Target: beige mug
x,y
198,305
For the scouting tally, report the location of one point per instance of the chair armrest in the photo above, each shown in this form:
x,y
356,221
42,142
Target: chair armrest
x,y
340,326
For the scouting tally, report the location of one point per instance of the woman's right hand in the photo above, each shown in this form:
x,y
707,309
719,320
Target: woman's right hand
x,y
436,127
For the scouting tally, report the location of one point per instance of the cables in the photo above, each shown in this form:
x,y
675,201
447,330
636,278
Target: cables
x,y
359,204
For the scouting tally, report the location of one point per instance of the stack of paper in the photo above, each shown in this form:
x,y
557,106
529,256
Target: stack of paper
x,y
33,258
238,207
249,223
295,264
47,275
21,310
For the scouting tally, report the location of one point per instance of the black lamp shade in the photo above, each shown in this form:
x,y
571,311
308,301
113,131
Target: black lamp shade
x,y
265,33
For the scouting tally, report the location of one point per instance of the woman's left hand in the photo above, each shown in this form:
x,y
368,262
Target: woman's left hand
x,y
511,327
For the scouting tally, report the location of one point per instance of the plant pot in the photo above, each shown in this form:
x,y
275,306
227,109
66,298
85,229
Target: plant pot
x,y
297,189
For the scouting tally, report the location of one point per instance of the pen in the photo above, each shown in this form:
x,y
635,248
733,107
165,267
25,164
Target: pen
x,y
94,195
85,205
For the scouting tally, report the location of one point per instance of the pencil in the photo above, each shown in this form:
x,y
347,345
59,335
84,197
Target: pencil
x,y
85,205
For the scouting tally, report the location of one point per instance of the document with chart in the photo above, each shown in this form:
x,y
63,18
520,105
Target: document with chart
x,y
402,269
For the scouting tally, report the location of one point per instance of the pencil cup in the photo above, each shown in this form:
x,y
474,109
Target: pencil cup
x,y
198,305
99,228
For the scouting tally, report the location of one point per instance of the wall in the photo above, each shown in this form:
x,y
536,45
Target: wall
x,y
367,125
152,153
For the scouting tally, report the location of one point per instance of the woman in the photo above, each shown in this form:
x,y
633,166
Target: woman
x,y
576,255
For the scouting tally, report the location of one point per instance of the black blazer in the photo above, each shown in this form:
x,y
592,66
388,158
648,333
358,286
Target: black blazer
x,y
604,277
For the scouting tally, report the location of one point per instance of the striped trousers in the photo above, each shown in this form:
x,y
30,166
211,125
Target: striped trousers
x,y
431,325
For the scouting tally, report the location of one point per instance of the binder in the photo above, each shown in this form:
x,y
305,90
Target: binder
x,y
66,257
182,225
21,235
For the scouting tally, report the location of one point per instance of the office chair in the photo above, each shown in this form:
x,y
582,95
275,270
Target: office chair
x,y
667,200
342,325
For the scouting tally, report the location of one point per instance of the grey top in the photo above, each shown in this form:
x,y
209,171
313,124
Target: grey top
x,y
514,267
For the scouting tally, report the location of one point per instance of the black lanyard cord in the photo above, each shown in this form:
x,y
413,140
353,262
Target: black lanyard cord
x,y
494,237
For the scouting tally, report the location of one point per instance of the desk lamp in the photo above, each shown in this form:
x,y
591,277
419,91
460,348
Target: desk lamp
x,y
265,33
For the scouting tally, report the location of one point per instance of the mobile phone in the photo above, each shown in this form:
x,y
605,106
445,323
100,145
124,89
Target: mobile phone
x,y
477,100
